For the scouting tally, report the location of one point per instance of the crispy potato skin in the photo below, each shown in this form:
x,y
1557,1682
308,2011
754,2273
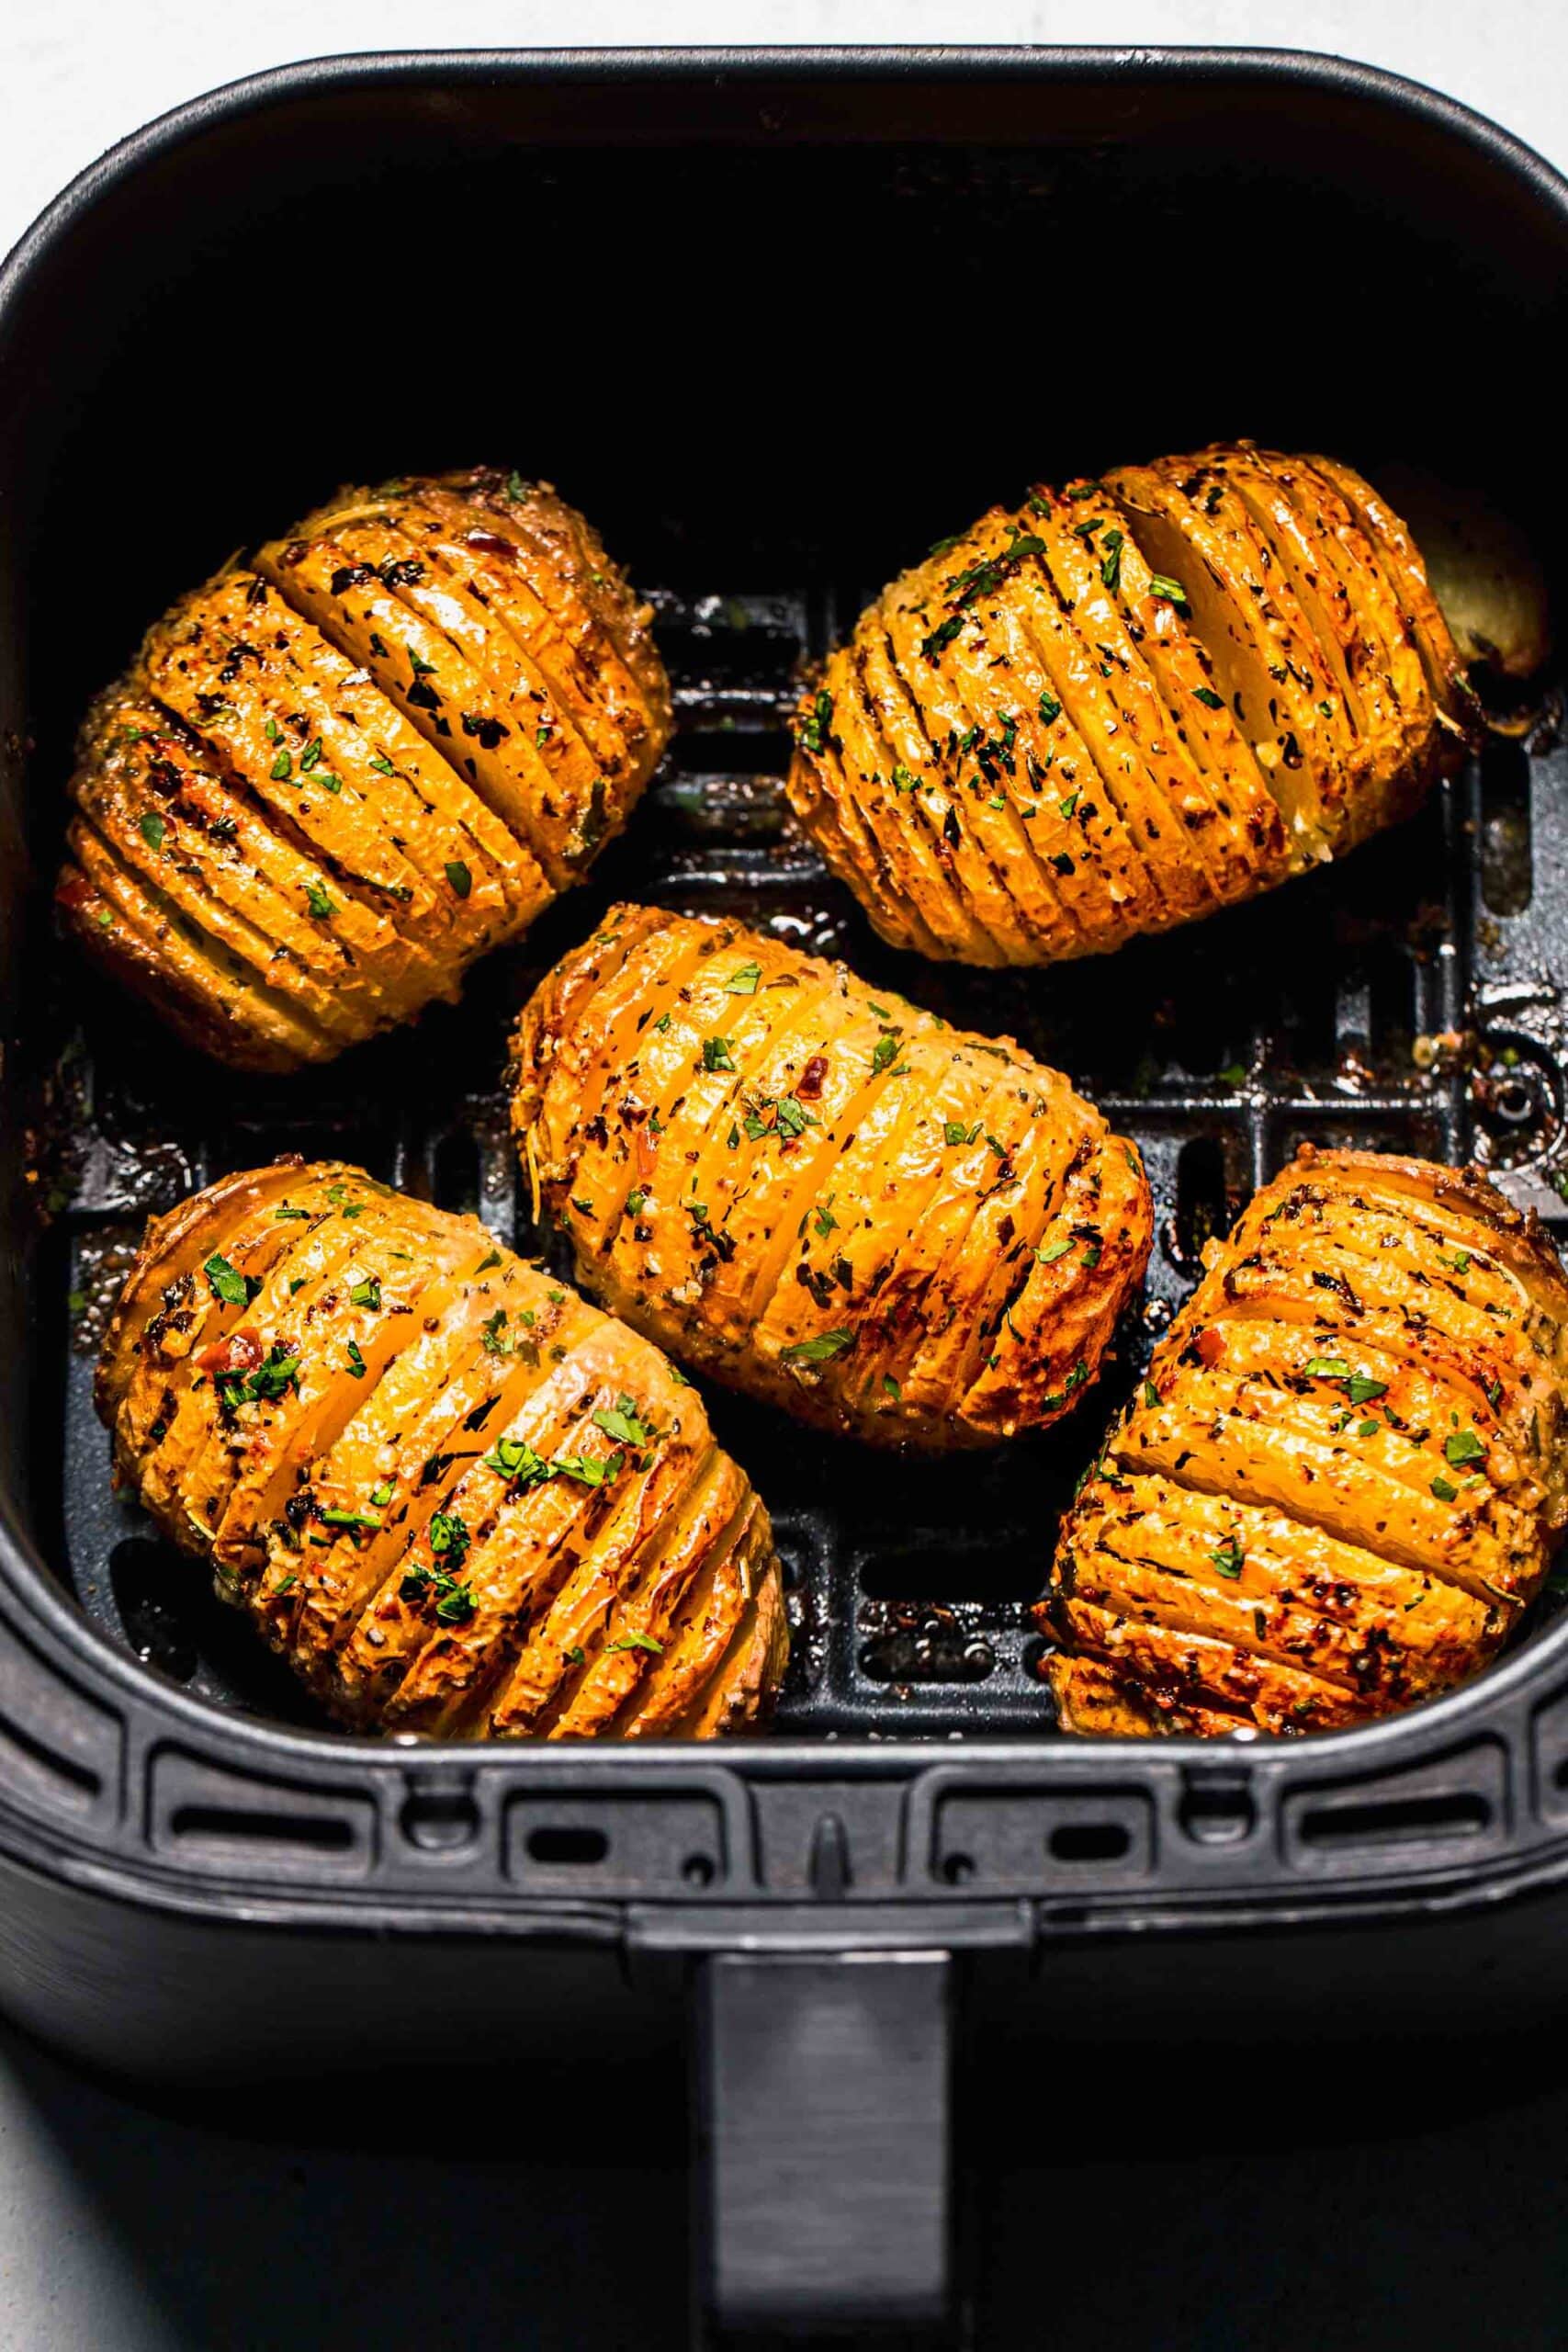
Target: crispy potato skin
x,y
454,1497
819,1194
342,770
1127,703
1342,1484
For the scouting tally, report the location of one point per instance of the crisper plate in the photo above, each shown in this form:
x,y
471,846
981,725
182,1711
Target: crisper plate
x,y
1377,1003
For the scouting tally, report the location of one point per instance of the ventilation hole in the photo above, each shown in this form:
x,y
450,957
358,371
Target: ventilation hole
x,y
940,1653
728,752
1218,1812
568,1844
454,1173
1395,1818
149,1590
1202,1202
958,1869
941,1570
1507,863
1088,1841
699,1870
440,1820
320,1831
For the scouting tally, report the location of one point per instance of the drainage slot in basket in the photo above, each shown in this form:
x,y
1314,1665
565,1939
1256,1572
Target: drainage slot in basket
x,y
1202,1202
567,1842
1507,863
321,1832
1090,1841
454,1173
1395,1819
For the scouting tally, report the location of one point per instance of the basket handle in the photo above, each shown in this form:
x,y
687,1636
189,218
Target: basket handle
x,y
824,2165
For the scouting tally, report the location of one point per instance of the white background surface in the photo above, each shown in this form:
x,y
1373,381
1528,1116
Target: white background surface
x,y
122,2233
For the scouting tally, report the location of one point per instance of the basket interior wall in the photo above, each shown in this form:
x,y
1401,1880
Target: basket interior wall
x,y
773,378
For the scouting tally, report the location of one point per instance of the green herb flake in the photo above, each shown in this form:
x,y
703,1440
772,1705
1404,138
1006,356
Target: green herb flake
x,y
820,1350
1444,1492
1229,1558
366,1293
744,981
1464,1447
716,1053
382,764
637,1642
459,875
318,901
1208,697
355,1361
1054,1250
152,829
1171,590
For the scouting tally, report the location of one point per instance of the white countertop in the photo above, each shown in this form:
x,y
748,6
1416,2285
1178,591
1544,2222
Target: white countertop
x,y
122,2232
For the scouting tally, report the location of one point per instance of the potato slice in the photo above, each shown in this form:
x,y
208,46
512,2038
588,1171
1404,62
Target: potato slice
x,y
767,1101
1343,1465
457,1497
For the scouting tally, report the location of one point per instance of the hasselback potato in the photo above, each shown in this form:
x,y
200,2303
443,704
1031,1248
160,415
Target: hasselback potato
x,y
819,1194
1342,1482
338,772
1127,703
454,1497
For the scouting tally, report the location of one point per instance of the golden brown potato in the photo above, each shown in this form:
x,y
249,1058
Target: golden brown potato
x,y
1128,703
336,775
1341,1485
819,1194
454,1497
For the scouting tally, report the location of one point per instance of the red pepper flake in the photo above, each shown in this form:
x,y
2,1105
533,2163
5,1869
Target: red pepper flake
x,y
241,1351
1210,1344
811,1076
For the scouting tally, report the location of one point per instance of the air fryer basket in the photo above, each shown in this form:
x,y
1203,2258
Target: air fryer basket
x,y
776,321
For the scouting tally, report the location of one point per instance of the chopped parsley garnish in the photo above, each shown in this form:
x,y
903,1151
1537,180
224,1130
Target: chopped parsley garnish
x,y
459,875
1228,1559
716,1053
1444,1492
449,1536
355,1361
1110,563
282,768
1208,697
1056,1249
818,719
152,829
318,901
1463,1447
886,1049
269,1380
382,1495
227,1283
1151,1395
892,1388
1171,590
1050,709
490,1332
821,1350
744,981
623,1423
382,764
637,1642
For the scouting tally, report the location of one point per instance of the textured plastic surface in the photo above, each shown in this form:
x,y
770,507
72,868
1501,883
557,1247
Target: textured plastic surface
x,y
775,321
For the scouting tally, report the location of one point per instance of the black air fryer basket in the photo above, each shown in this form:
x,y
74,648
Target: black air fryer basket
x,y
777,320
